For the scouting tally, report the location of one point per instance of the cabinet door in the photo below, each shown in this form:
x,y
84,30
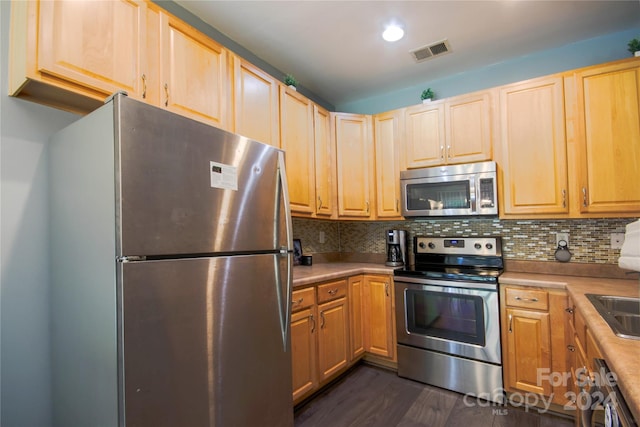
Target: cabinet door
x,y
303,352
356,331
193,73
333,338
532,153
378,313
608,131
354,155
325,162
255,103
425,135
528,349
387,142
296,139
97,45
469,130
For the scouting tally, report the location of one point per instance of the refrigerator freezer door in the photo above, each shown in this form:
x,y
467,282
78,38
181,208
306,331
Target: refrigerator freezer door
x,y
203,342
183,187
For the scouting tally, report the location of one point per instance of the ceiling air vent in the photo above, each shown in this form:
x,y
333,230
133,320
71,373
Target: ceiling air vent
x,y
435,49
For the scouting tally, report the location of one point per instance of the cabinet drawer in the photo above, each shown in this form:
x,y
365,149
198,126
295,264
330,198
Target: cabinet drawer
x,y
527,298
332,290
303,298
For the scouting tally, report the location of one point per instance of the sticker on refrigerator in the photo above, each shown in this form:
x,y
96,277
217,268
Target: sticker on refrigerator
x,y
223,176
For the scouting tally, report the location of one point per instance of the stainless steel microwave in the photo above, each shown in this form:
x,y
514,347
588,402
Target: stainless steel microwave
x,y
457,190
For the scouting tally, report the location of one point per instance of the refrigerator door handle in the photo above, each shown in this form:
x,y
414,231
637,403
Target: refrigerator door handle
x,y
285,300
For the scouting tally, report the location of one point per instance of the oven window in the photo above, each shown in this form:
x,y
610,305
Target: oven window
x,y
438,195
446,315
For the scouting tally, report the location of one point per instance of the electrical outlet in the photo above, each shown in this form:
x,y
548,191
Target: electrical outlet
x,y
617,239
321,237
562,236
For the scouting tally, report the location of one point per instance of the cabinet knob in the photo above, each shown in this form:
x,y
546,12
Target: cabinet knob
x,y
571,348
569,310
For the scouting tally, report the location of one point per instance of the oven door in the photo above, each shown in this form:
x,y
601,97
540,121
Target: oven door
x,y
449,317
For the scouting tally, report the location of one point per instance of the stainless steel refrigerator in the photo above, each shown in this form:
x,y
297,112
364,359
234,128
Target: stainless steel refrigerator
x,y
171,265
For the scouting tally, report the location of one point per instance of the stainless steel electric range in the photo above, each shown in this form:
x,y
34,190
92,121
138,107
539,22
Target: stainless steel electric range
x,y
448,318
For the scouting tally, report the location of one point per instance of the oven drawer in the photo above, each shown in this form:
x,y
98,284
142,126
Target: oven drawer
x,y
303,298
527,298
332,290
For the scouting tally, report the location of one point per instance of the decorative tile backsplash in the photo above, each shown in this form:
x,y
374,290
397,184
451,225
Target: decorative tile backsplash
x,y
531,240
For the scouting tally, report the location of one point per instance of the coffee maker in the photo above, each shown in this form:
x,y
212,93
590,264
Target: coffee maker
x,y
396,248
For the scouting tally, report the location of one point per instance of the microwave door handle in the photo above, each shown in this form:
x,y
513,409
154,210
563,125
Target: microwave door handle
x,y
472,193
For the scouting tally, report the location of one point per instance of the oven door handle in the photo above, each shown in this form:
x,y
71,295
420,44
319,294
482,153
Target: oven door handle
x,y
445,283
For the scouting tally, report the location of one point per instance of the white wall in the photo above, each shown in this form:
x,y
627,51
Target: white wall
x,y
24,273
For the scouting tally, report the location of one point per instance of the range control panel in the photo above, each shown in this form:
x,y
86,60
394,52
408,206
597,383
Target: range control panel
x,y
486,246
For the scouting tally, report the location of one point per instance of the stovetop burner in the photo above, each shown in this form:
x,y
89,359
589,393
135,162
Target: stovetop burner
x,y
468,259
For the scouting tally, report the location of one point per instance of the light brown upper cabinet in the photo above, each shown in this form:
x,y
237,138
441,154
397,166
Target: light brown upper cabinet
x,y
72,55
607,136
325,163
255,101
355,165
193,73
532,154
296,139
425,135
387,136
450,131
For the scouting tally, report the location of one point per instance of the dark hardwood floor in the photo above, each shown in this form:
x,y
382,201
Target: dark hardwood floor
x,y
371,396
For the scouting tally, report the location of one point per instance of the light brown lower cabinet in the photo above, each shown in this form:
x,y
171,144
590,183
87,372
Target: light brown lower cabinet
x,y
534,341
336,323
303,342
379,330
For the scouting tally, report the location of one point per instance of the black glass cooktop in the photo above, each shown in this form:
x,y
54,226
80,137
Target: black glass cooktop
x,y
483,275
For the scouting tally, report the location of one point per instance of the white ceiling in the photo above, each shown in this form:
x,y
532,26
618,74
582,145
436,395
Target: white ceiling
x,y
335,49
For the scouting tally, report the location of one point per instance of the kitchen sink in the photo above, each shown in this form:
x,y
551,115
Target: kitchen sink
x,y
622,314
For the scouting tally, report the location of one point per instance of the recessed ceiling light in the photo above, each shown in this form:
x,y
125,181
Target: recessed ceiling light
x,y
393,33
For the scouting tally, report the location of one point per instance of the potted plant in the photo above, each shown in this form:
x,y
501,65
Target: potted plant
x,y
634,47
290,81
426,96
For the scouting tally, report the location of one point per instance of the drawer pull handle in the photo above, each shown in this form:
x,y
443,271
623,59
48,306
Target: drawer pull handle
x,y
313,328
144,86
510,323
319,202
527,299
332,291
386,288
571,348
322,320
296,302
569,310
584,196
166,92
564,198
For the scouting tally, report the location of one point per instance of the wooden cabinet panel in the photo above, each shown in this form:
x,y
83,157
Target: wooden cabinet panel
x,y
354,158
303,298
356,328
332,290
532,154
425,135
333,339
455,130
527,298
193,73
387,142
303,352
378,314
100,45
608,136
296,139
255,102
469,128
528,350
325,163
